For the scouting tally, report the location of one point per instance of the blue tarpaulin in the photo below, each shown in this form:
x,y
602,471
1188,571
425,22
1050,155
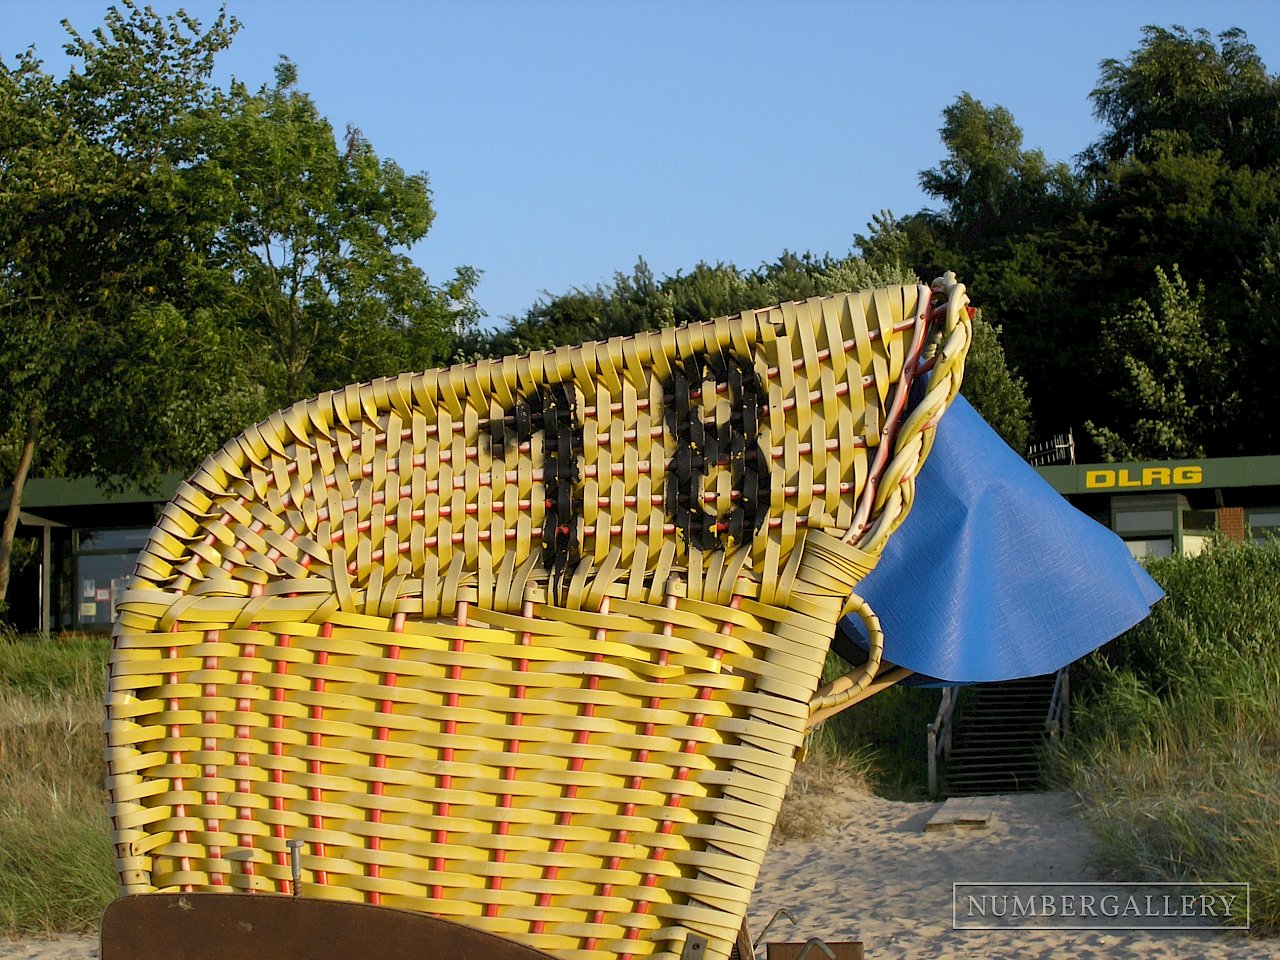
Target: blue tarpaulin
x,y
993,575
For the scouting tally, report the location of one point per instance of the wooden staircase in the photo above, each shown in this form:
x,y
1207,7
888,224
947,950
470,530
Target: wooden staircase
x,y
999,731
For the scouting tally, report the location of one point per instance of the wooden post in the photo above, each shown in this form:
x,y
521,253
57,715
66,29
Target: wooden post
x,y
46,577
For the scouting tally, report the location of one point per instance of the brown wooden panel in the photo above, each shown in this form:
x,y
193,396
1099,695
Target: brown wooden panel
x,y
215,926
844,950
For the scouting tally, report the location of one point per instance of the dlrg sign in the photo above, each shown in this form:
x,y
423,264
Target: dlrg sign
x,y
1146,478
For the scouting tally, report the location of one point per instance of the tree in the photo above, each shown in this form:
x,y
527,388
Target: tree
x,y
995,391
993,189
1217,96
1177,390
1261,334
158,231
1188,172
1009,225
312,239
90,232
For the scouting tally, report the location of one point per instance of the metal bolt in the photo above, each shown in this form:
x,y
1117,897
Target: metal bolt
x,y
295,864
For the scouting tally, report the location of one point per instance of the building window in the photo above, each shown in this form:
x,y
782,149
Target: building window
x,y
1264,524
1144,549
104,562
1144,521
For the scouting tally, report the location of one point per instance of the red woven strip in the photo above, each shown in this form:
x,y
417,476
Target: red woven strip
x,y
445,780
277,774
175,757
277,749
642,908
551,872
243,705
380,759
317,740
690,747
210,744
509,772
892,420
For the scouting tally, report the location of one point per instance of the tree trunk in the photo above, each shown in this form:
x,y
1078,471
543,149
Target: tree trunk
x,y
15,500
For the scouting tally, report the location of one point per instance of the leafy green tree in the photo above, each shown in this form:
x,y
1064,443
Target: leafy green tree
x,y
312,243
1177,389
1260,331
1188,172
158,232
993,189
1010,225
1217,96
92,236
995,391
1173,204
994,388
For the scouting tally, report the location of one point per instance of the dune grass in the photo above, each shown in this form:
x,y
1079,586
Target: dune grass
x,y
885,737
818,780
1175,757
56,862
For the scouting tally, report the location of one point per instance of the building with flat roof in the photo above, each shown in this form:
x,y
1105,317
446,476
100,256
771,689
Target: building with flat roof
x,y
86,538
86,542
1163,507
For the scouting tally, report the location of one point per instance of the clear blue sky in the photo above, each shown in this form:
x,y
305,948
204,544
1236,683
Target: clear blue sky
x,y
563,139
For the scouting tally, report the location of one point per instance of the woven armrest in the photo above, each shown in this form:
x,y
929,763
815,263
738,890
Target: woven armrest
x,y
531,643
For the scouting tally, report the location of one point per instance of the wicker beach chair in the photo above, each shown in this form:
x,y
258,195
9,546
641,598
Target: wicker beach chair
x,y
529,645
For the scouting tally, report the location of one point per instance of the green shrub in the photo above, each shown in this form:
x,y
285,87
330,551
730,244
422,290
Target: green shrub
x,y
1175,755
1222,608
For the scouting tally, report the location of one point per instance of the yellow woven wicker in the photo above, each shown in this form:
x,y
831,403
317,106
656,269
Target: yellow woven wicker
x,y
529,643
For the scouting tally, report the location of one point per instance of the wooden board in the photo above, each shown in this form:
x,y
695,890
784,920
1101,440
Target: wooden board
x,y
961,813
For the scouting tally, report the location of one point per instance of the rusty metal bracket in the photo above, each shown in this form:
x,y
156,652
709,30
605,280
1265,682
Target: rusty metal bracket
x,y
695,947
784,912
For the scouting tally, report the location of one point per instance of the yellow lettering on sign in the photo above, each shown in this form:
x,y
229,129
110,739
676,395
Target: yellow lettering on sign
x,y
1099,478
1147,477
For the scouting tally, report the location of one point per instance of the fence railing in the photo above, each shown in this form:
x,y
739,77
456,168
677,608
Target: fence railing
x,y
940,736
1058,721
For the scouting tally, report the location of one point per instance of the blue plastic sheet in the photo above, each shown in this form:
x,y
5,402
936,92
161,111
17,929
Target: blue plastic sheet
x,y
993,575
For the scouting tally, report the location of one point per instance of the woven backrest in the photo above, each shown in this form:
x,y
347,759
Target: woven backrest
x,y
527,643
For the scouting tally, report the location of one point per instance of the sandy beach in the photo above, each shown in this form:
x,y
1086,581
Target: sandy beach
x,y
880,878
